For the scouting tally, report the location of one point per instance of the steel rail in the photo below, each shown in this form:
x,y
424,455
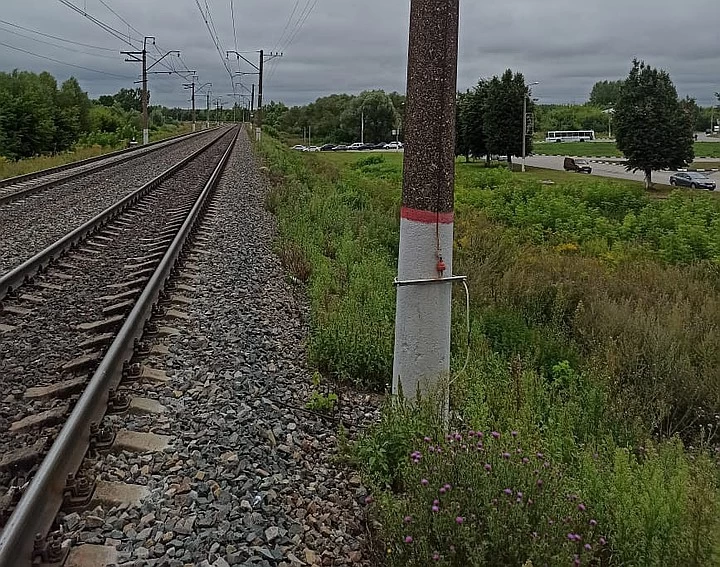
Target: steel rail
x,y
132,153
43,498
20,274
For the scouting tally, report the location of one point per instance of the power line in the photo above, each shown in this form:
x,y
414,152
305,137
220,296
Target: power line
x,y
302,23
57,45
123,20
58,38
287,25
112,31
64,62
213,36
232,14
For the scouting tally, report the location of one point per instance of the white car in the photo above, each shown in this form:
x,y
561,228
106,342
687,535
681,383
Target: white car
x,y
301,148
313,149
358,145
396,145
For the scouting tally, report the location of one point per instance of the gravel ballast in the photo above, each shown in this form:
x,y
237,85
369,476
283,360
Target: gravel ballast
x,y
251,477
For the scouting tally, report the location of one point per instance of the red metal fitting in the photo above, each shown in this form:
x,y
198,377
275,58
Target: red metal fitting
x,y
441,267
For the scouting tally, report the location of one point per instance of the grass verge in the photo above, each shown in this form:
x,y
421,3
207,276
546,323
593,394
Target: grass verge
x,y
585,428
31,165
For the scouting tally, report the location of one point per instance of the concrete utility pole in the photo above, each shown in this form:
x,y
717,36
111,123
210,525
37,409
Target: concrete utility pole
x,y
525,122
141,57
422,320
191,86
207,111
362,126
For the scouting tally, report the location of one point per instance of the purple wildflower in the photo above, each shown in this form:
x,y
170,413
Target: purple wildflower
x,y
506,456
443,490
508,491
407,519
458,437
459,520
435,508
408,539
525,460
514,433
495,434
488,467
593,523
480,434
427,440
436,556
540,456
602,541
436,502
588,547
539,482
581,507
471,433
519,494
447,487
368,499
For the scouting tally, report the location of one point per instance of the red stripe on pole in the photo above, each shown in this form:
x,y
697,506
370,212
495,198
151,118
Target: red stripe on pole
x,y
427,217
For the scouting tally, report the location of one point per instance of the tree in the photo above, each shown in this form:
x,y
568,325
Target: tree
x,y
503,117
106,100
605,94
130,99
651,127
693,110
470,122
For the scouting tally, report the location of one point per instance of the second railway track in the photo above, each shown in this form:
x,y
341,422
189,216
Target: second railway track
x,y
56,329
29,224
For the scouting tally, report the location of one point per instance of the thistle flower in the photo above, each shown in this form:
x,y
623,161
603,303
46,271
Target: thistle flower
x,y
495,434
602,541
588,547
581,507
435,508
540,456
593,523
408,539
436,556
443,490
424,482
407,519
488,467
459,520
508,491
514,433
506,456
427,439
447,487
525,460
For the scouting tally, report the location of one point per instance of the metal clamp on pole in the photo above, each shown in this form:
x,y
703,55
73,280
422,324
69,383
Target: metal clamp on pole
x,y
401,283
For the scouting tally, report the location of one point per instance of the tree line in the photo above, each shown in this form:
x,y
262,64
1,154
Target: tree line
x,y
39,117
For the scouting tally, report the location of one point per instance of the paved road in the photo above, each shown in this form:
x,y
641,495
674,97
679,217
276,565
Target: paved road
x,y
702,137
606,170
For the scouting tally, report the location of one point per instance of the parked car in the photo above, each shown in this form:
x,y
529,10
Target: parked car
x,y
313,149
692,179
299,148
356,146
379,146
576,165
397,145
341,148
708,131
327,148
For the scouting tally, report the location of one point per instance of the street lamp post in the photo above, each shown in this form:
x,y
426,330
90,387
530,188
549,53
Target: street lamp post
x,y
524,128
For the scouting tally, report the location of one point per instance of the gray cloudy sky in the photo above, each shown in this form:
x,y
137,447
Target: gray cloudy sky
x,y
353,45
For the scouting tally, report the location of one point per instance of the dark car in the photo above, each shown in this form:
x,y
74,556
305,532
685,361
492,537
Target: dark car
x,y
342,148
327,148
576,165
692,179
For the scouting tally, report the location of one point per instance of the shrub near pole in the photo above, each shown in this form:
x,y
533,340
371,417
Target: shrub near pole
x,y
422,322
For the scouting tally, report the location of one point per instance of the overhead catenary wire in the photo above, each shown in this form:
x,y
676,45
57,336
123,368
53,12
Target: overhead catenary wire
x,y
304,16
214,38
112,31
58,46
232,15
64,62
110,49
123,20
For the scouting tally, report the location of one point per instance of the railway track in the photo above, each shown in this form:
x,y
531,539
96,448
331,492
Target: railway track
x,y
70,320
32,223
22,186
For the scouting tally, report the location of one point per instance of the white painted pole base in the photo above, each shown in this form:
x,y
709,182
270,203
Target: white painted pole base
x,y
422,321
194,127
146,136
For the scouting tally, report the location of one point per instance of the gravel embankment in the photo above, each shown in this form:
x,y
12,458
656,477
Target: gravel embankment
x,y
29,225
251,478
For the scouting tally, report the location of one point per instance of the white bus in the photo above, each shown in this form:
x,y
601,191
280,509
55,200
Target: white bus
x,y
570,136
